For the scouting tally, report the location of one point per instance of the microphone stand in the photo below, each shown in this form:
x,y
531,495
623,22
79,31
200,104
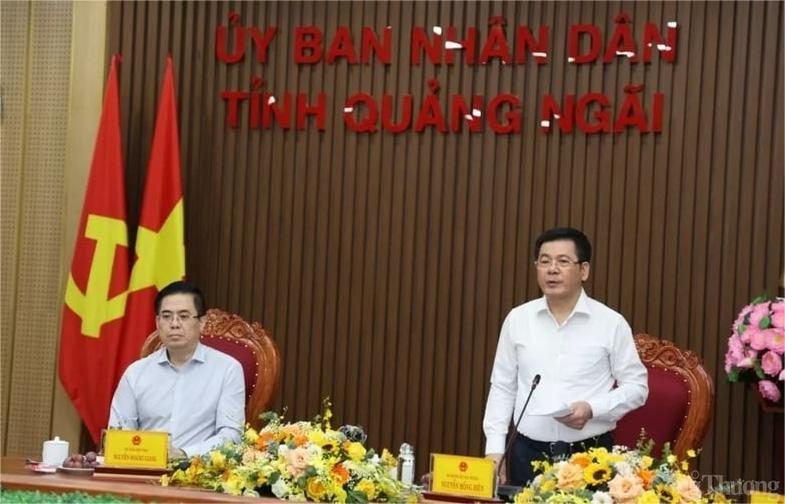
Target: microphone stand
x,y
508,491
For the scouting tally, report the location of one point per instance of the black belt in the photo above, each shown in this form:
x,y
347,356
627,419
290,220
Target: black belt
x,y
559,448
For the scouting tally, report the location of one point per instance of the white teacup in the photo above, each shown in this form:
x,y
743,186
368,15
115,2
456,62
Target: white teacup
x,y
55,452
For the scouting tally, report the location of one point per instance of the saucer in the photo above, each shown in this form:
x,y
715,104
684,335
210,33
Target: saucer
x,y
76,471
41,468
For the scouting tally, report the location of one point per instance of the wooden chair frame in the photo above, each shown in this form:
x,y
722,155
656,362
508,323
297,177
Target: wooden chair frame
x,y
655,352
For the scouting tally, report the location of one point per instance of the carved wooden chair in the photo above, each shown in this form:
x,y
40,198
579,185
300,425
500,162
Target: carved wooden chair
x,y
680,402
251,346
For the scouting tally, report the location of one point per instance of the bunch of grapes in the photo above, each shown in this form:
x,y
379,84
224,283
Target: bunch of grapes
x,y
77,461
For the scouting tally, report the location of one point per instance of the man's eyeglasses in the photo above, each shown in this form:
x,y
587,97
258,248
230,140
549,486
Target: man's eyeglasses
x,y
184,317
559,262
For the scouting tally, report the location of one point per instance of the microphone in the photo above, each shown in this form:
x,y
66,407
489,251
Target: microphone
x,y
535,382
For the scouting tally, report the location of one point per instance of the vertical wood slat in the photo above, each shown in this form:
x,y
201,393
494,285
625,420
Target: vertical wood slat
x,y
384,264
15,66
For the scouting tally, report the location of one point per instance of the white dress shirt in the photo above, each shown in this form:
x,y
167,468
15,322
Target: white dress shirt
x,y
202,405
579,360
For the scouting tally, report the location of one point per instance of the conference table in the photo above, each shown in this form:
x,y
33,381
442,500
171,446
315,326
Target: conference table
x,y
14,476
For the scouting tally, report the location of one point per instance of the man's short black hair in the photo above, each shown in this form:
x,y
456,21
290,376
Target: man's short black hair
x,y
181,287
582,244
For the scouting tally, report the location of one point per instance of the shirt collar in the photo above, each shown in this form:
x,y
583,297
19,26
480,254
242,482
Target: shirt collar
x,y
200,355
582,306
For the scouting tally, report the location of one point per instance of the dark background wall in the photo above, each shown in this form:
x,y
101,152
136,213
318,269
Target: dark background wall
x,y
384,264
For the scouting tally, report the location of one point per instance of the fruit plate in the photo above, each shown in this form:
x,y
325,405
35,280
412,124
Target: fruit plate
x,y
41,468
76,471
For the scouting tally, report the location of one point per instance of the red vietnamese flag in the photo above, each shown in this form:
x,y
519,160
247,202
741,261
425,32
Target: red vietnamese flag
x,y
160,244
95,295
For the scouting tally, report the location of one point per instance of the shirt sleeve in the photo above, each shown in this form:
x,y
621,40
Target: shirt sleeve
x,y
229,416
632,382
123,413
504,389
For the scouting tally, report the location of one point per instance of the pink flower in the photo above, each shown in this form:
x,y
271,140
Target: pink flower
x,y
296,461
771,363
728,363
735,346
778,314
769,390
759,312
776,340
778,319
735,352
782,375
688,490
742,315
625,489
758,338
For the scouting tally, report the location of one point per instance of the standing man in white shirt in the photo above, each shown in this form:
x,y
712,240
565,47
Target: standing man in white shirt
x,y
584,353
193,392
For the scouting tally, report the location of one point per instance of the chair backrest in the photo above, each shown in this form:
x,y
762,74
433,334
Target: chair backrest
x,y
251,346
680,402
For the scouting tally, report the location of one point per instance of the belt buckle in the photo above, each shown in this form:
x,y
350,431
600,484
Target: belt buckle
x,y
559,448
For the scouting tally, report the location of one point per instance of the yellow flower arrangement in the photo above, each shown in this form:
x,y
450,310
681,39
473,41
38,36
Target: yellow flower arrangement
x,y
367,487
356,451
217,459
581,459
619,476
595,473
316,489
648,497
297,461
667,493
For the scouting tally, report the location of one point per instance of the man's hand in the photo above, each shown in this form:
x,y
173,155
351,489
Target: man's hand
x,y
497,457
580,414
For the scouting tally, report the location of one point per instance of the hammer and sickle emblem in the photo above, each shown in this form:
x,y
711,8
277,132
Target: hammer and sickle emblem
x,y
160,261
94,306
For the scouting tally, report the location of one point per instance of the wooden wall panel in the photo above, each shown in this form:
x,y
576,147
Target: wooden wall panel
x,y
36,72
384,264
13,42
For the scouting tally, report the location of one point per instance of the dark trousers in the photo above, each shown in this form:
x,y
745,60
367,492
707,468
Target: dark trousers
x,y
525,451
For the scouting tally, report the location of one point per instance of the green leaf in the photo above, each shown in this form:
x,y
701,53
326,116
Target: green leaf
x,y
269,417
733,374
765,322
759,370
761,298
355,496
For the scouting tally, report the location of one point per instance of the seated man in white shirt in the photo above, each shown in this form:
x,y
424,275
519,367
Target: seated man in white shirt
x,y
579,347
190,390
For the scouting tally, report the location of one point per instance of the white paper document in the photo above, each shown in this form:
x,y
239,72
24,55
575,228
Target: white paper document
x,y
546,401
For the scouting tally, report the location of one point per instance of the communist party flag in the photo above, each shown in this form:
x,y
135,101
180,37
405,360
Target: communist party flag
x,y
160,242
95,294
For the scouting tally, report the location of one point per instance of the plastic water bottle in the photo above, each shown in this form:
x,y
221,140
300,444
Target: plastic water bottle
x,y
406,464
